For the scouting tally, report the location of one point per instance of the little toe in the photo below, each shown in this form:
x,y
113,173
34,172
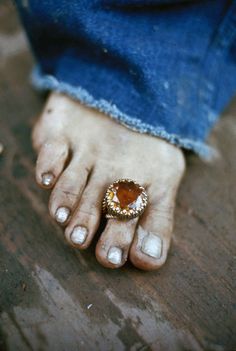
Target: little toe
x,y
113,246
50,163
153,236
86,218
68,190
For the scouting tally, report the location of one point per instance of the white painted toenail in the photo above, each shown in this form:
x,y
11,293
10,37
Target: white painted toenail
x,y
114,255
62,214
152,245
47,179
79,235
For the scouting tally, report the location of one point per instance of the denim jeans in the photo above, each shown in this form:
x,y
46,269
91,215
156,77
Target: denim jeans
x,y
166,68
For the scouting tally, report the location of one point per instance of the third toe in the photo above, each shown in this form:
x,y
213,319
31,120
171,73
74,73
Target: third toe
x,y
87,215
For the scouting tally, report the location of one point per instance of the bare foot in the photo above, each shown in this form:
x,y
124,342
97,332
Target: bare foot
x,y
81,152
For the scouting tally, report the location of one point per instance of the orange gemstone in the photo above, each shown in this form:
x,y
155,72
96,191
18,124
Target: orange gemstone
x,y
127,194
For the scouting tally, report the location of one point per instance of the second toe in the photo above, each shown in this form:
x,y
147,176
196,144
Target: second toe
x,y
112,249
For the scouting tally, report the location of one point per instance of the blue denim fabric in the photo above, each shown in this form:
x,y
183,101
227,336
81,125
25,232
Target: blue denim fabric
x,y
167,68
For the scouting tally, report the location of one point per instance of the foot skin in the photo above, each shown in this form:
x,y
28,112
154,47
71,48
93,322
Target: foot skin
x,y
80,153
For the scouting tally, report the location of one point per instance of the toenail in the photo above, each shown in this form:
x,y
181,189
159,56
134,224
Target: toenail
x,y
114,255
78,235
152,245
47,179
62,214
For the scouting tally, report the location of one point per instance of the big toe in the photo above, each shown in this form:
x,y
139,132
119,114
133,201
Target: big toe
x,y
152,238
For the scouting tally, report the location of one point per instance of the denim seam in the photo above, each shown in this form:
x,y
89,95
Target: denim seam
x,y
49,82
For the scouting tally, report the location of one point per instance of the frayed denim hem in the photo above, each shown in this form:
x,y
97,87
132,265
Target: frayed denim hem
x,y
48,82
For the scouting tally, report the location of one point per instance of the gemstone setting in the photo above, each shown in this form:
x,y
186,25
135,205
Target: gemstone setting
x,y
124,199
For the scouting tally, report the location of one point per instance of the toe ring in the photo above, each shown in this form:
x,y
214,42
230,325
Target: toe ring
x,y
124,199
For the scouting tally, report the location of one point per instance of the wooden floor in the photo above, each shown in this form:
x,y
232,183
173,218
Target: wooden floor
x,y
55,298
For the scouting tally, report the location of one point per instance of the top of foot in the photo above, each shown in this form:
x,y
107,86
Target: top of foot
x,y
80,153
